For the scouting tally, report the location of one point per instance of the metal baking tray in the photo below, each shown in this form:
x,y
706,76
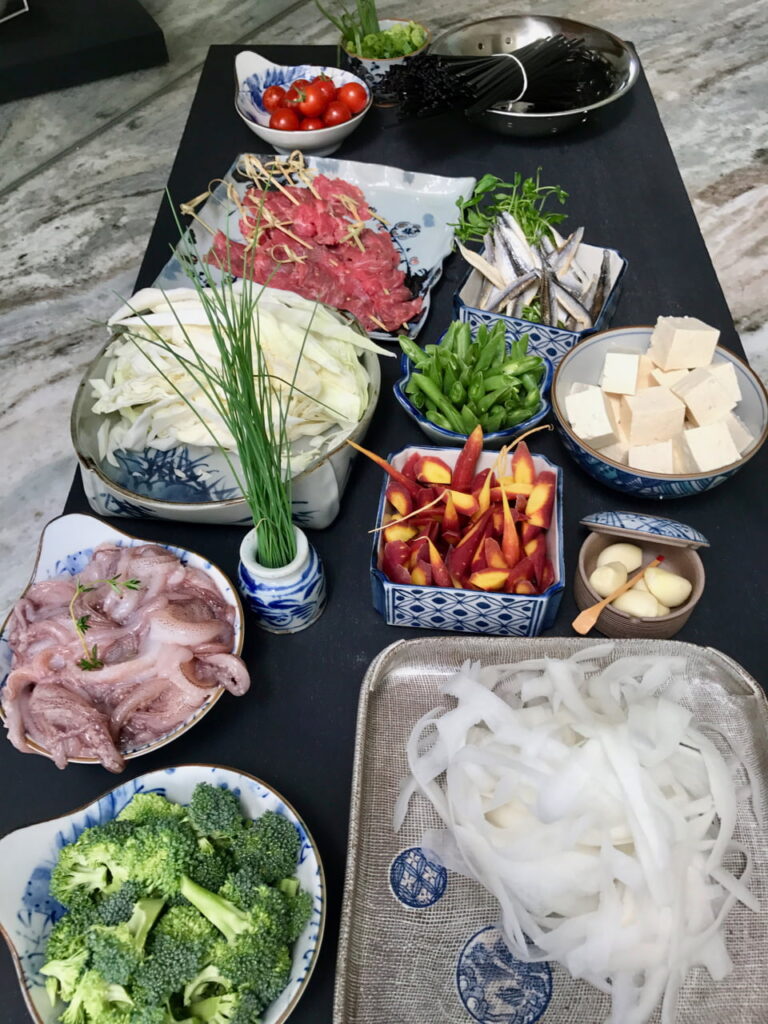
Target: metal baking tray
x,y
420,946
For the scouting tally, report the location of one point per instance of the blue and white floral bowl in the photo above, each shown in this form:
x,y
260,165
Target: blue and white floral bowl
x,y
449,437
66,546
375,70
28,855
255,73
583,365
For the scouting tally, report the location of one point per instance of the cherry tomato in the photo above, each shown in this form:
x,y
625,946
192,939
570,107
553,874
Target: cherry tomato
x,y
272,98
293,97
314,102
284,119
300,83
326,84
354,95
311,124
336,113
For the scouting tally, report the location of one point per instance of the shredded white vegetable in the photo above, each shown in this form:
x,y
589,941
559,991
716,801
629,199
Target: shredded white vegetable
x,y
587,801
331,384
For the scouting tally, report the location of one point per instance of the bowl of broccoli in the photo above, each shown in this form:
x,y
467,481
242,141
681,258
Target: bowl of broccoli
x,y
190,894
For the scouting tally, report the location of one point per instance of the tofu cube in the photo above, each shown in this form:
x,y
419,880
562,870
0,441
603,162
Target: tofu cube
x,y
682,343
666,378
741,436
726,374
706,399
707,448
644,371
620,370
652,415
590,416
653,458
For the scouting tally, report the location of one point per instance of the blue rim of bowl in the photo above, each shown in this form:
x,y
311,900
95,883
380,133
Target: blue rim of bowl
x,y
557,586
194,764
600,336
450,436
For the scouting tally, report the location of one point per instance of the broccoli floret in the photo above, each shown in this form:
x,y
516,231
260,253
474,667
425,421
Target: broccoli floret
x,y
168,967
241,887
117,907
208,982
160,852
255,955
147,807
95,863
299,912
96,1000
117,950
188,927
66,954
210,866
215,812
240,1007
269,845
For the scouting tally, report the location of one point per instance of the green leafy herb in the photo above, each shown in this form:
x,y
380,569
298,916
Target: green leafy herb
x,y
362,36
524,199
82,623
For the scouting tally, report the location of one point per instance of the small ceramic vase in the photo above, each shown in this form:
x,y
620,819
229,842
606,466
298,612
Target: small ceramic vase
x,y
283,600
374,71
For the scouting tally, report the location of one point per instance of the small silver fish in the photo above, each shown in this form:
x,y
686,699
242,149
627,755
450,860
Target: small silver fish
x,y
603,283
517,288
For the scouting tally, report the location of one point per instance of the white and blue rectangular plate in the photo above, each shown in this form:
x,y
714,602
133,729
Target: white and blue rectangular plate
x,y
418,209
420,945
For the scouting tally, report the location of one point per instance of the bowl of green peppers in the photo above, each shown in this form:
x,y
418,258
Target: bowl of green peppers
x,y
469,378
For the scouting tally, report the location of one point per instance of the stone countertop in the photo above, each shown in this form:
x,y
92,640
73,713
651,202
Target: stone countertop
x,y
82,173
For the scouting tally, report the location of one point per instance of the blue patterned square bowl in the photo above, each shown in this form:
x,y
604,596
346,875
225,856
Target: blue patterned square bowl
x,y
551,342
583,365
28,855
450,437
468,611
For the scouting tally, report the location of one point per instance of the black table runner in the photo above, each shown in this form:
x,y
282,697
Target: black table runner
x,y
295,728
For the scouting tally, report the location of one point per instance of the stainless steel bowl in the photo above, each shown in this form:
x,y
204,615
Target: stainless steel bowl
x,y
505,34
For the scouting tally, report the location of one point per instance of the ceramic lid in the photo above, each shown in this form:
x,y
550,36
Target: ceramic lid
x,y
640,526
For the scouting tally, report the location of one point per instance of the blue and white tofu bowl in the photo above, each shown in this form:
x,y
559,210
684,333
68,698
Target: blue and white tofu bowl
x,y
551,342
28,856
442,436
583,365
457,610
255,73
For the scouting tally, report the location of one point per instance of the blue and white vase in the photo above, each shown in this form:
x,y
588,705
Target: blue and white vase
x,y
287,599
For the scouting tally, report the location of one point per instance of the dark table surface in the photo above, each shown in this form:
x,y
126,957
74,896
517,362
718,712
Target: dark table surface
x,y
295,728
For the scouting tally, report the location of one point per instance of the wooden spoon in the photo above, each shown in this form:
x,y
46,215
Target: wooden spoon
x,y
586,620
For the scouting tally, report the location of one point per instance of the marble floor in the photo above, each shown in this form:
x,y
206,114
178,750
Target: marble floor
x,y
82,171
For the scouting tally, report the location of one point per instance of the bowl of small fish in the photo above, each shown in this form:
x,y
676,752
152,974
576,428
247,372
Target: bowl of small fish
x,y
507,34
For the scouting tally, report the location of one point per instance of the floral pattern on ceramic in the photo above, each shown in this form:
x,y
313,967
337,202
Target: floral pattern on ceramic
x,y
66,546
283,600
416,881
638,522
450,437
498,988
468,611
583,365
374,71
551,342
28,856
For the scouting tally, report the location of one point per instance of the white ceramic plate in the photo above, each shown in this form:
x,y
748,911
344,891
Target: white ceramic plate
x,y
28,855
66,546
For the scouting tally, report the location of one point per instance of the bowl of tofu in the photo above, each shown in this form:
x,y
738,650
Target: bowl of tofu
x,y
659,412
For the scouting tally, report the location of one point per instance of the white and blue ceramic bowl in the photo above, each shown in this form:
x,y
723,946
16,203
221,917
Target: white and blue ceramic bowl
x,y
28,855
255,73
66,546
468,611
583,365
552,342
375,70
450,437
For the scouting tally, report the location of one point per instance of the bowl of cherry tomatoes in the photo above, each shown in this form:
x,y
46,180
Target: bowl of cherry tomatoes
x,y
306,106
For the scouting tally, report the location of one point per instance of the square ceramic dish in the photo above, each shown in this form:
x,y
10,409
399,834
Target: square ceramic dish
x,y
417,209
27,856
469,611
552,342
419,944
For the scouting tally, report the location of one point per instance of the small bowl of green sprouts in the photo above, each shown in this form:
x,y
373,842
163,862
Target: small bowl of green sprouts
x,y
370,47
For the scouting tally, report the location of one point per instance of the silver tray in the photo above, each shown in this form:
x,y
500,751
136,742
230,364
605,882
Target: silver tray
x,y
412,934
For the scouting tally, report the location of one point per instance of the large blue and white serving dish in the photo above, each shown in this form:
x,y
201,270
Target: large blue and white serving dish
x,y
66,546
28,855
543,340
583,365
255,73
468,611
449,437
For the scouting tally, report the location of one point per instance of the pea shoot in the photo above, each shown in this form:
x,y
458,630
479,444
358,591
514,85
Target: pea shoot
x,y
524,199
